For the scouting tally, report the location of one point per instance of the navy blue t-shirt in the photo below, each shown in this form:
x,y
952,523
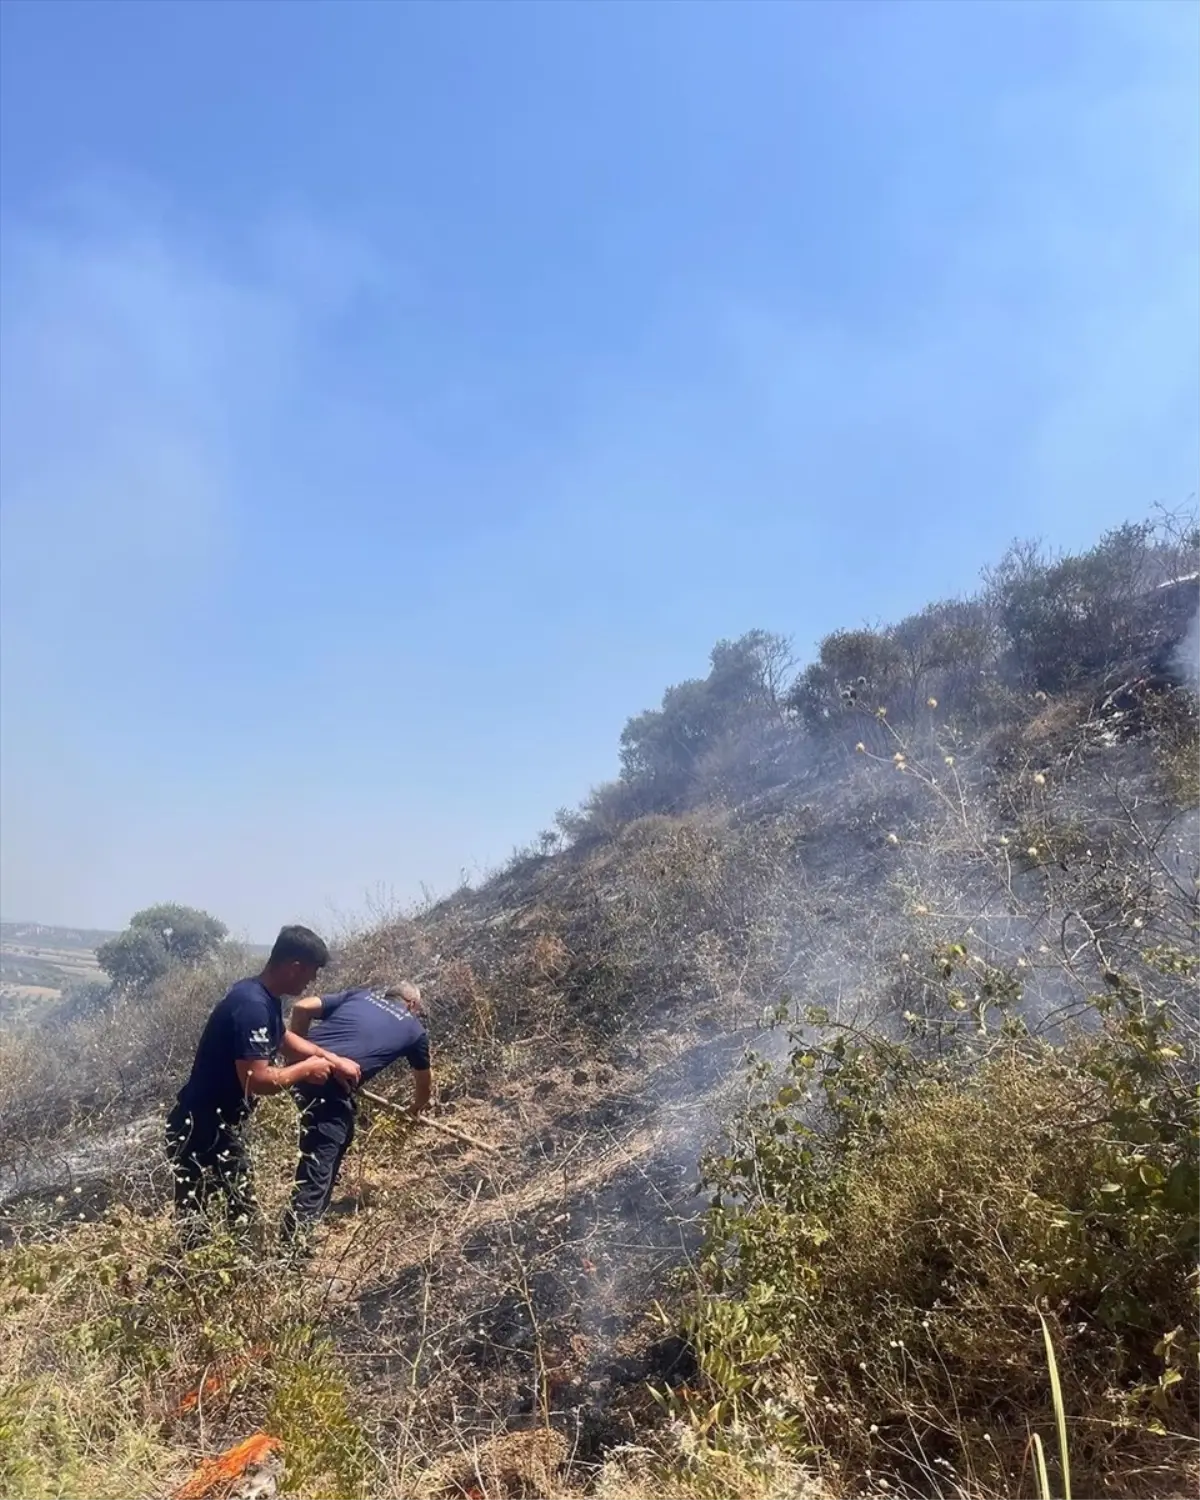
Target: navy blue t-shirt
x,y
246,1024
362,1025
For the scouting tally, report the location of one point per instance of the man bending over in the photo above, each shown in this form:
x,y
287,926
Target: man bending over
x,y
235,1065
373,1027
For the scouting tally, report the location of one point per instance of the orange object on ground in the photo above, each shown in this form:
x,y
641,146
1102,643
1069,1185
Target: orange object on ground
x,y
217,1381
217,1476
208,1387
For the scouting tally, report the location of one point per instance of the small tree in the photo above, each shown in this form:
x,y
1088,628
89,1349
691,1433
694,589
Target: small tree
x,y
945,651
751,673
189,935
158,939
661,748
1070,616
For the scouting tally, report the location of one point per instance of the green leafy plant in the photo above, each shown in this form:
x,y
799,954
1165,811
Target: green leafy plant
x,y
886,1222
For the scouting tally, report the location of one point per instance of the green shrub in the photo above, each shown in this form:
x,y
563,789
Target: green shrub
x,y
1069,617
310,1411
887,1227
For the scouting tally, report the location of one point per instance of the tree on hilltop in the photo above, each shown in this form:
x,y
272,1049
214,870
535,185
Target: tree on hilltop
x,y
158,939
660,748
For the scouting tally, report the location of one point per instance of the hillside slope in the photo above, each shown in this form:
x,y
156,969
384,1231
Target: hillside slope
x,y
904,876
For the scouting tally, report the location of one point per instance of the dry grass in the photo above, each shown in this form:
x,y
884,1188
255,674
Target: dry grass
x,y
464,1296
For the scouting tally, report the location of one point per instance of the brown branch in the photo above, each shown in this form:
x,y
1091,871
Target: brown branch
x,y
459,1135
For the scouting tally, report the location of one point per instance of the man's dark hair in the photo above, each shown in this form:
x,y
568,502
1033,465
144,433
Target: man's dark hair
x,y
299,943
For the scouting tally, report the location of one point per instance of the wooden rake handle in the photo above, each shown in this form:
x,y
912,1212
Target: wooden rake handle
x,y
459,1135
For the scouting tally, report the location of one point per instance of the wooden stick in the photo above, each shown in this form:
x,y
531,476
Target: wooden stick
x,y
459,1135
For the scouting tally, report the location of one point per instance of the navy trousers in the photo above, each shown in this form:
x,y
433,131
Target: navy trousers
x,y
208,1160
326,1130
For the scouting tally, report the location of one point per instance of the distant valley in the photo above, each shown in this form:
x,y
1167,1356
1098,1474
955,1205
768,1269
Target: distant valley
x,y
39,963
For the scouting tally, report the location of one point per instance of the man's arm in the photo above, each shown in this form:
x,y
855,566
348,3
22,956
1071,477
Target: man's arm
x,y
257,1075
418,1061
422,1089
304,1013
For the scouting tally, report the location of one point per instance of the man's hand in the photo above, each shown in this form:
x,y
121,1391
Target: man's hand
x,y
313,1070
344,1069
257,1076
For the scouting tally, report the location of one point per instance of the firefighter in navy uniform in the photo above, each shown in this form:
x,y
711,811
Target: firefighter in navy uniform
x,y
373,1028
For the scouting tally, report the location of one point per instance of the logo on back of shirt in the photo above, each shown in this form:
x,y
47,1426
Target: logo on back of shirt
x,y
395,1008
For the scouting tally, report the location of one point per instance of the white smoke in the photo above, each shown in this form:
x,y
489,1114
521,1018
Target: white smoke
x,y
1187,655
1187,663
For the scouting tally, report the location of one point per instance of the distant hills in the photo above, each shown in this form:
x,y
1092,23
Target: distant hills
x,y
40,962
40,935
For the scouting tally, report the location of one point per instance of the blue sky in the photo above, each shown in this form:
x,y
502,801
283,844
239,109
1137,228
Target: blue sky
x,y
396,397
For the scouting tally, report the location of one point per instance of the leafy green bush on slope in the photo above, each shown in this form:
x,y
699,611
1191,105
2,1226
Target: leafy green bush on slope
x,y
886,1228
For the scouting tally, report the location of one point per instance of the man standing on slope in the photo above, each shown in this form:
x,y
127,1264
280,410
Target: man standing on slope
x,y
374,1027
234,1064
